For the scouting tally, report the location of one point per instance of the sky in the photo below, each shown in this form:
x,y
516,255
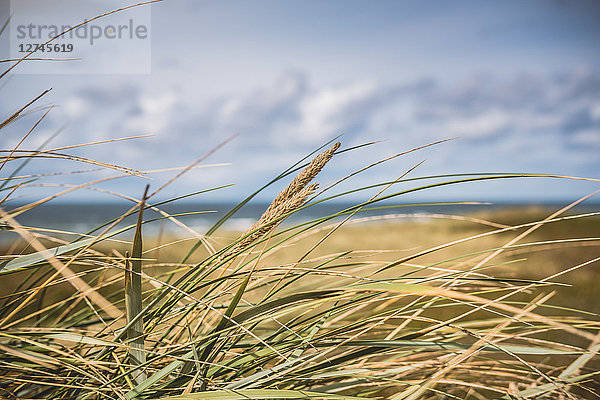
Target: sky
x,y
515,85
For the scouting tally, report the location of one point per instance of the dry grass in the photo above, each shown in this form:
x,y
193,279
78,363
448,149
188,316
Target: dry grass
x,y
441,322
447,308
287,201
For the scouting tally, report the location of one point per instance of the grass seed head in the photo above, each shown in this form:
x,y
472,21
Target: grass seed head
x,y
288,200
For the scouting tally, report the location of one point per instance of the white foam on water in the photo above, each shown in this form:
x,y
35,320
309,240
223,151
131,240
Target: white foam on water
x,y
238,224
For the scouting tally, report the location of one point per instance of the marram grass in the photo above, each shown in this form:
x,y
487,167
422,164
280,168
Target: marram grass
x,y
237,326
94,318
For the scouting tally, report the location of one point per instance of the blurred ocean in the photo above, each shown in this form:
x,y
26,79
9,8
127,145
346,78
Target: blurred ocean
x,y
86,217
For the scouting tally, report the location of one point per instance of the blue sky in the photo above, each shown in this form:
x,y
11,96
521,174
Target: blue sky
x,y
517,83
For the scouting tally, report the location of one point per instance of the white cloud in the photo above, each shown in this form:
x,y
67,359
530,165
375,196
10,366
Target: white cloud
x,y
326,112
479,125
588,138
595,111
76,107
526,124
156,113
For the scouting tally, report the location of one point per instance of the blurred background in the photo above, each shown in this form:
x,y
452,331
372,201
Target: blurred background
x,y
517,84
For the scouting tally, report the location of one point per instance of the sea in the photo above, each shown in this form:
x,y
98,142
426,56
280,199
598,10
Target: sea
x,y
88,218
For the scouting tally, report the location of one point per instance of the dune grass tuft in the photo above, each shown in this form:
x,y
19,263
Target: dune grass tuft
x,y
457,309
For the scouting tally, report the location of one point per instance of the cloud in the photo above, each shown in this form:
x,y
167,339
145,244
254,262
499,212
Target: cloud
x,y
294,111
330,111
532,122
529,105
154,113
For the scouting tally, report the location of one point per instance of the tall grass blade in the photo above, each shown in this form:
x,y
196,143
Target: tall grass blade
x,y
259,394
17,113
545,389
225,320
133,297
33,259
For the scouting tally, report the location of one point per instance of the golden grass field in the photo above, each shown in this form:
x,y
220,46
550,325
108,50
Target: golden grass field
x,y
497,304
391,238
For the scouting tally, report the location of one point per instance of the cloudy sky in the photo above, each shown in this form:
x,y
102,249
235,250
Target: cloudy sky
x,y
516,83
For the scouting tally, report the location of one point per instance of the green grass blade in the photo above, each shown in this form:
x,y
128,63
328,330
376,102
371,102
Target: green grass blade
x,y
30,260
259,394
225,320
133,298
546,388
